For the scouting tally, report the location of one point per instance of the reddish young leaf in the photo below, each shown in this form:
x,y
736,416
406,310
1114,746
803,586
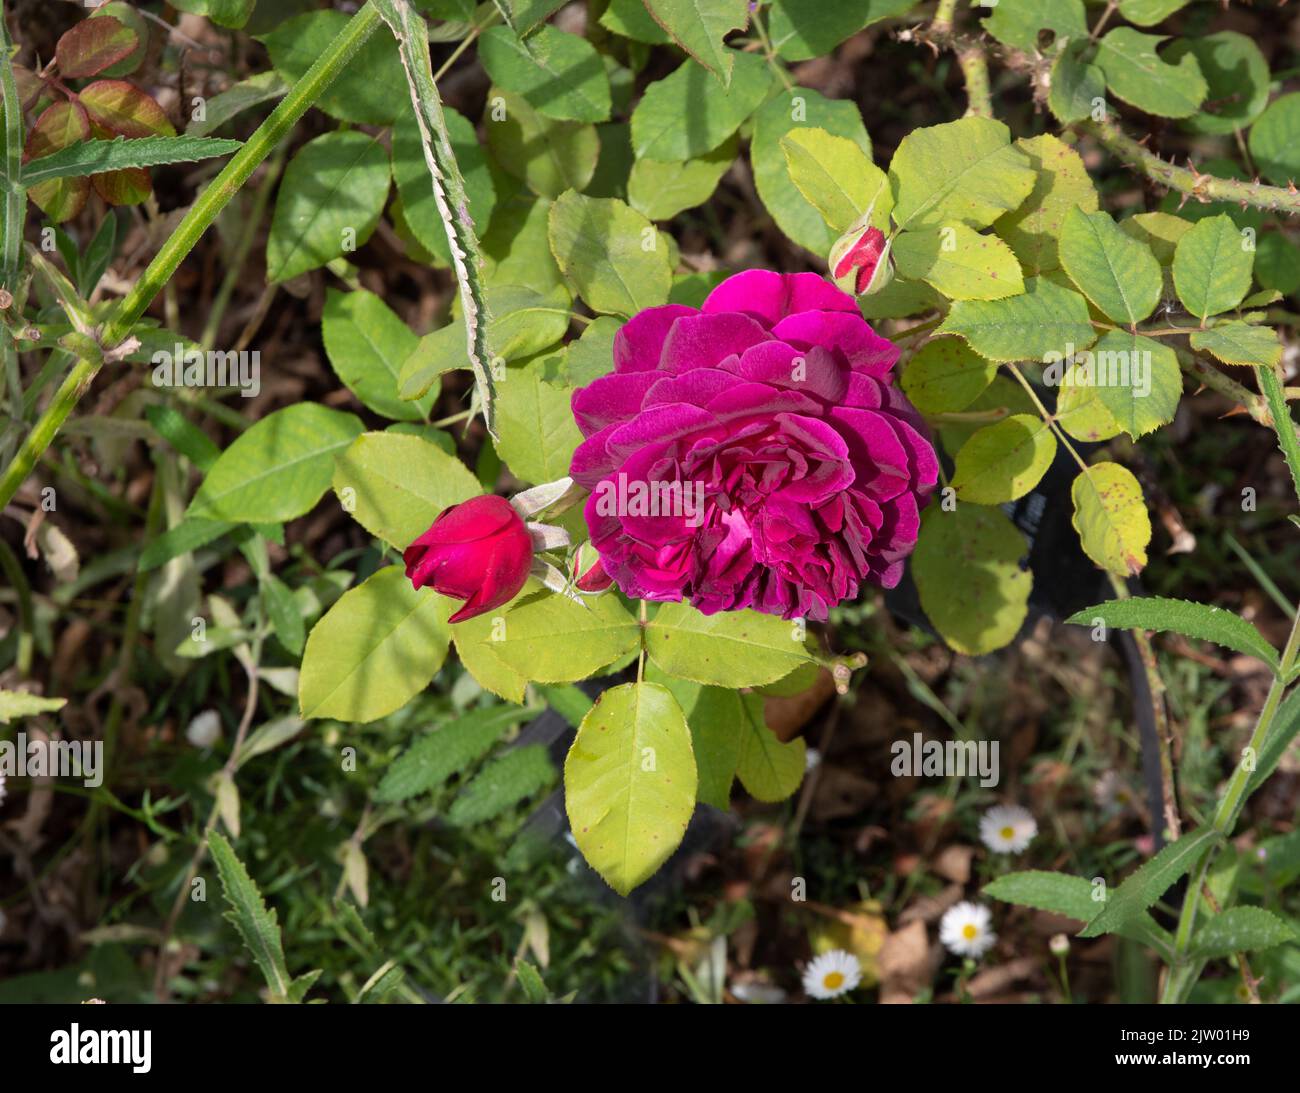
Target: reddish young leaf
x,y
94,45
128,186
127,15
30,87
60,125
124,110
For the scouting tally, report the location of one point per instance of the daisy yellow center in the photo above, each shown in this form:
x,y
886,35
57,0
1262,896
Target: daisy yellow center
x,y
833,981
1008,831
970,931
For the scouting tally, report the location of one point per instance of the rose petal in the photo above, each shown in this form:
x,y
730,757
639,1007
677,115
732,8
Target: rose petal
x,y
696,387
876,448
639,342
770,297
702,341
862,347
610,399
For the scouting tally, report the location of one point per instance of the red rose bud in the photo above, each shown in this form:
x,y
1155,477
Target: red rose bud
x,y
478,551
588,573
860,262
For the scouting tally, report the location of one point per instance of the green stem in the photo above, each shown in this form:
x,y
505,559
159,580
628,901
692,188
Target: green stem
x,y
15,196
944,14
975,70
640,661
1229,388
15,214
1105,18
971,59
1049,419
199,218
769,53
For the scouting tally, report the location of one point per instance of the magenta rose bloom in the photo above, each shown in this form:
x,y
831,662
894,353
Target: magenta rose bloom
x,y
478,551
753,453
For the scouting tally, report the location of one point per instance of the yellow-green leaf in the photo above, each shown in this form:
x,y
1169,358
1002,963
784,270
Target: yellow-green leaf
x,y
548,638
960,262
1111,518
629,783
1004,461
837,177
1115,271
1240,343
945,375
1212,266
1137,379
968,576
1062,184
963,171
610,253
395,486
729,649
373,651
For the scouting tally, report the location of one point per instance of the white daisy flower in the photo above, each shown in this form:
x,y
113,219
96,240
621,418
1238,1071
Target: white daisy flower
x,y
965,929
832,974
1113,793
1008,829
204,730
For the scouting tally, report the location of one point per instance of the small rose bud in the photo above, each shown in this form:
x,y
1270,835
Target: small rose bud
x,y
587,571
860,262
479,551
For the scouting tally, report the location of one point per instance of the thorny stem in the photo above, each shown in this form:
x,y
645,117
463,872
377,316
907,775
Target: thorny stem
x,y
1187,180
944,13
1215,380
975,70
971,59
199,218
1146,653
